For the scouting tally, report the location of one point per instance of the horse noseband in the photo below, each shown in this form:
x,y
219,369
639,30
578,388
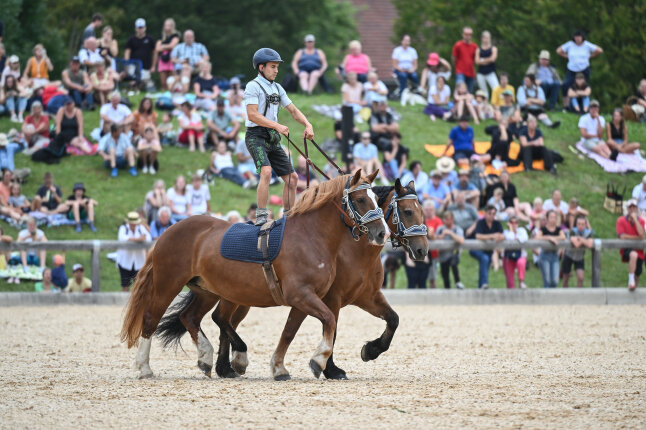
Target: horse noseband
x,y
403,233
360,220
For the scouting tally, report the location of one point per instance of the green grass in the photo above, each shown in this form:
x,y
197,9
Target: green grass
x,y
580,178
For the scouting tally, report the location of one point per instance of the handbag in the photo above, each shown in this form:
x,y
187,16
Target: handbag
x,y
613,201
629,112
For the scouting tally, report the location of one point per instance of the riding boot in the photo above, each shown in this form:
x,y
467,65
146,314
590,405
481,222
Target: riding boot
x,y
261,216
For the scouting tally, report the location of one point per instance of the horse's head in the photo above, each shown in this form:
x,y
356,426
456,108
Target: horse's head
x,y
362,205
408,219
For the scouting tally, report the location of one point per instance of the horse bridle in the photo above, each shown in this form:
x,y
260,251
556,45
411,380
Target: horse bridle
x,y
359,221
400,237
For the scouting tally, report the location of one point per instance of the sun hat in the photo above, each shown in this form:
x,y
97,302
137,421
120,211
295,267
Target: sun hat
x,y
13,59
445,164
133,218
433,59
481,93
76,267
632,202
436,174
544,55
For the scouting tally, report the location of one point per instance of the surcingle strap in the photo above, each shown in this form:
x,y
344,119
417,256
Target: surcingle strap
x,y
273,282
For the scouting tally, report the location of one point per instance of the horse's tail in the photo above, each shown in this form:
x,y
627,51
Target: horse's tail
x,y
142,292
171,329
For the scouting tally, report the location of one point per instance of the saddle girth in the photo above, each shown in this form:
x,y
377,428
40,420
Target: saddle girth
x,y
273,282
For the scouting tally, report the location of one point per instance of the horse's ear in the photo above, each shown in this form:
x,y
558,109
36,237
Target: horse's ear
x,y
371,177
411,185
398,187
356,178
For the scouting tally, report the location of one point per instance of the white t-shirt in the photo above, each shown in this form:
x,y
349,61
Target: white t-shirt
x,y
445,94
222,160
25,236
117,114
578,55
369,91
404,57
179,201
548,205
590,124
640,194
198,198
184,120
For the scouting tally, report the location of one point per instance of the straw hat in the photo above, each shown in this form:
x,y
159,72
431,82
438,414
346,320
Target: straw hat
x,y
3,140
445,164
133,218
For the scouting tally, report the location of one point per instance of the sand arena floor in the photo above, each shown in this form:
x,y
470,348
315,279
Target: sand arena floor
x,y
497,366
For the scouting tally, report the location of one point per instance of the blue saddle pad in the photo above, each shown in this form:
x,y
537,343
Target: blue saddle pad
x,y
240,242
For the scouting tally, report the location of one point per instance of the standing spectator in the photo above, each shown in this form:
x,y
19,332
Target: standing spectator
x,y
206,88
416,271
574,211
405,63
149,148
580,237
579,94
510,197
515,260
382,126
433,222
90,55
417,176
141,48
169,39
556,204
161,224
486,229
591,127
144,117
434,68
497,94
38,67
537,215
221,125
465,215
396,159
81,207
463,57
578,53
199,195
129,262
450,259
190,122
11,69
102,82
309,64
117,151
189,52
90,30
548,261
547,77
439,97
631,227
32,234
464,99
356,62
486,56
115,113
639,194
77,83
48,197
533,147
374,90
14,97
461,138
436,191
3,57
78,283
7,152
464,186
531,100
155,199
108,47
617,134
178,197
352,92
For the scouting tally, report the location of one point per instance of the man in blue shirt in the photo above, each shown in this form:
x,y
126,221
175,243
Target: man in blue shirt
x,y
115,149
366,156
161,224
464,186
436,191
7,152
189,51
461,138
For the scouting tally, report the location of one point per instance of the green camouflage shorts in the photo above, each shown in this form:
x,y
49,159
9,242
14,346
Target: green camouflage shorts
x,y
265,149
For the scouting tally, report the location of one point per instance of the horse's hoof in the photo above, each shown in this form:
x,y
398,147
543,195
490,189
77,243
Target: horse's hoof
x,y
316,369
146,376
205,368
225,371
238,369
369,352
282,377
239,362
231,374
335,373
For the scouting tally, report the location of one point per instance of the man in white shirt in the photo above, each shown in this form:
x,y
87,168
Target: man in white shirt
x,y
129,262
115,113
557,204
639,194
32,234
592,127
198,195
405,63
90,55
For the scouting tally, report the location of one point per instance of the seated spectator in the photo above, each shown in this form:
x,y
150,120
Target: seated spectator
x,y
417,176
36,127
464,186
199,195
533,147
437,192
516,259
485,58
179,85
11,69
5,185
145,116
170,38
617,134
221,125
53,97
246,166
396,159
501,138
222,166
90,55
465,215
352,92
508,109
32,234
116,113
548,261
140,50
206,88
155,199
355,62
510,197
450,259
557,204
366,157
234,97
102,83
439,99
189,52
178,197
301,172
166,130
78,283
14,98
531,100
374,90
435,67
639,108
579,94
486,229
81,207
117,152
462,99
547,77
591,127
631,227
161,224
45,285
498,202
446,166
68,131
48,199
574,211
77,83
309,64
7,152
38,67
578,52
382,126
405,63
17,199
190,122
537,215
580,237
639,194
149,148
483,108
461,138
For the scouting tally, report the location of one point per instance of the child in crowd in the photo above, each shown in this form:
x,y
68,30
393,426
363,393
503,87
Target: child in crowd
x,y
579,94
167,132
17,199
46,285
222,166
148,147
537,216
497,201
484,109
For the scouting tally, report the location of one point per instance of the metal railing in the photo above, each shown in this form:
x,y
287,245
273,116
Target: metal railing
x,y
96,246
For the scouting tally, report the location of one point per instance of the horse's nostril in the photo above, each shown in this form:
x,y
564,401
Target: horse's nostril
x,y
381,235
420,251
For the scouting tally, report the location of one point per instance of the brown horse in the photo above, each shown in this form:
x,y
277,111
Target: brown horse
x,y
352,286
189,253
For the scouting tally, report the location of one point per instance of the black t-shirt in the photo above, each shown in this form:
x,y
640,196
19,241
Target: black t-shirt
x,y
508,195
537,134
483,228
401,151
142,49
206,84
546,232
47,197
73,197
3,61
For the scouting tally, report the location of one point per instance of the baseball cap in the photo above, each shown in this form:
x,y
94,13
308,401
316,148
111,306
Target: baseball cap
x,y
594,103
436,174
632,202
79,186
76,267
219,102
76,59
433,59
13,59
544,55
235,80
310,38
140,23
68,100
507,93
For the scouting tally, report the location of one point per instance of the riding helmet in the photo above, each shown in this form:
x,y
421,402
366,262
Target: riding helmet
x,y
265,55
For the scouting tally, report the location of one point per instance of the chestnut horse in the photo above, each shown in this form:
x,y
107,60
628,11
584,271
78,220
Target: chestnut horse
x,y
188,253
358,281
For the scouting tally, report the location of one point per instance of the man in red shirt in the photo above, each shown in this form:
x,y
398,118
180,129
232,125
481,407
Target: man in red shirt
x,y
432,221
631,226
463,57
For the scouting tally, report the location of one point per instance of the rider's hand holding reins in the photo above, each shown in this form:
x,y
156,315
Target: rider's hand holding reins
x,y
309,132
283,129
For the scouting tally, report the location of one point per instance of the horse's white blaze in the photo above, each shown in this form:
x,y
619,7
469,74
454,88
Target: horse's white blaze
x,y
204,349
143,357
416,204
372,196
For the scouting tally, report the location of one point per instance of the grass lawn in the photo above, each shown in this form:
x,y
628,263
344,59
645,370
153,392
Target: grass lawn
x,y
580,178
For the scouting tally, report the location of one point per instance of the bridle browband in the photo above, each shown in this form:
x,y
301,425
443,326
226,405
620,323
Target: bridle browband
x,y
400,237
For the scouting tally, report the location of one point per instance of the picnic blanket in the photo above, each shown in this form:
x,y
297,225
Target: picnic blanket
x,y
42,220
240,242
625,162
334,111
482,148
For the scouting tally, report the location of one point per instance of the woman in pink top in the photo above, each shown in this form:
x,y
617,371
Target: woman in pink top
x,y
356,62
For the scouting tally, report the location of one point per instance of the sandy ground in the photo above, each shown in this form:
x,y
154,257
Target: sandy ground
x,y
493,366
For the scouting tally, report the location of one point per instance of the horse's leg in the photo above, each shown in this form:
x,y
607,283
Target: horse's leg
x,y
222,317
239,361
277,363
191,317
379,307
331,370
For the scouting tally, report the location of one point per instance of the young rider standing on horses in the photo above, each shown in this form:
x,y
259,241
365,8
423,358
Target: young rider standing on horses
x,y
262,98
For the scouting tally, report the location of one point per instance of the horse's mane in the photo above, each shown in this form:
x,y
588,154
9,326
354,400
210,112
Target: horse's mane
x,y
382,193
316,197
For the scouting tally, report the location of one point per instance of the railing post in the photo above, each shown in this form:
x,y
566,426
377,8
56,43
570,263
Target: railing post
x,y
596,264
96,266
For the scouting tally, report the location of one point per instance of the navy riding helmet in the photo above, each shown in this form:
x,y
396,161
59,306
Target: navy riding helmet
x,y
265,55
